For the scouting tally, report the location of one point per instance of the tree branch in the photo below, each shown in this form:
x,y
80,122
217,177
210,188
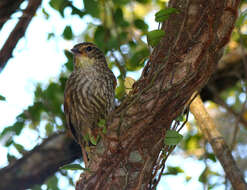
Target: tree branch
x,y
8,7
40,163
18,32
221,150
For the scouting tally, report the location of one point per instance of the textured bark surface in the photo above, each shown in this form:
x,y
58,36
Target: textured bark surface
x,y
40,163
181,64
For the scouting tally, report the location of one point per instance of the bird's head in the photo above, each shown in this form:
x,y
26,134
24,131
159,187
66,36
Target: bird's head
x,y
87,55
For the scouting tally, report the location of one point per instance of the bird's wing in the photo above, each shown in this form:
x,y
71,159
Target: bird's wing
x,y
67,110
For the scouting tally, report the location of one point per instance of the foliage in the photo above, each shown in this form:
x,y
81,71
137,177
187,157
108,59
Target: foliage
x,y
164,14
2,98
172,137
154,37
72,167
121,31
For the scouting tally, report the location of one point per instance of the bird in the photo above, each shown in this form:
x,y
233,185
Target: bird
x,y
89,94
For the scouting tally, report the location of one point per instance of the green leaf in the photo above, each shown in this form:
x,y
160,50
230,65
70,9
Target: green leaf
x,y
76,11
119,19
137,60
34,112
6,131
19,147
203,178
52,183
9,142
112,43
67,33
11,158
206,174
120,90
173,170
73,167
56,4
211,157
2,98
94,140
69,64
50,35
99,37
122,37
101,123
16,128
132,44
92,7
59,5
180,118
154,37
140,24
172,137
164,14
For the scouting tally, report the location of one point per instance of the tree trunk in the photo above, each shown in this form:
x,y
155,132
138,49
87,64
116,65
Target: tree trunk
x,y
127,156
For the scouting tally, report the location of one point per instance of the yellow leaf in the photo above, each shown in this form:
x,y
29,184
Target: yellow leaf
x,y
128,83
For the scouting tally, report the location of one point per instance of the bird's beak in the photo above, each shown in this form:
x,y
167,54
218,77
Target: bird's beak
x,y
75,50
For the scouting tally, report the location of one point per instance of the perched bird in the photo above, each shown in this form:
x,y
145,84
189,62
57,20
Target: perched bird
x,y
89,93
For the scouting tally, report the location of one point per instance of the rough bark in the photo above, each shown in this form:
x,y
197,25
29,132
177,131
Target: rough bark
x,y
18,32
221,150
40,163
182,63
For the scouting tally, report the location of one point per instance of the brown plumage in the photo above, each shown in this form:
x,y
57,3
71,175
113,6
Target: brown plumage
x,y
89,92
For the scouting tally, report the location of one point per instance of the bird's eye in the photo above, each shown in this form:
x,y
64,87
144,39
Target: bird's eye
x,y
89,48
